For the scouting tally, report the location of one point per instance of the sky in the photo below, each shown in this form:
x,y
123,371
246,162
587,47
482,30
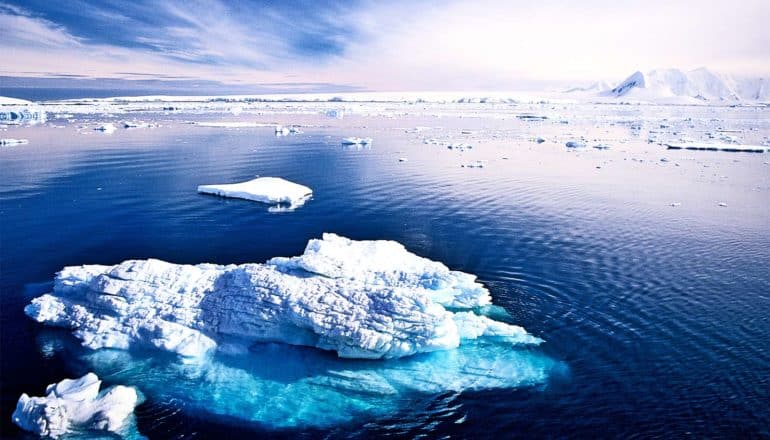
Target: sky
x,y
395,45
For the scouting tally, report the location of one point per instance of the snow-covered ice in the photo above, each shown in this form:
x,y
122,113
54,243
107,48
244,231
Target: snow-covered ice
x,y
361,299
76,405
270,190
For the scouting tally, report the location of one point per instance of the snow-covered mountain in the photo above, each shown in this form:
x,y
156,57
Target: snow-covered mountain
x,y
700,84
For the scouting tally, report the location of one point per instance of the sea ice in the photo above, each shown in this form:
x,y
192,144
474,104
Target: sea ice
x,y
575,144
76,404
270,190
702,146
8,142
361,299
106,128
356,141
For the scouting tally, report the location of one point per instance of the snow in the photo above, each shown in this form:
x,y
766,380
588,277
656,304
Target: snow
x,y
674,85
356,141
270,190
360,299
8,142
76,404
5,100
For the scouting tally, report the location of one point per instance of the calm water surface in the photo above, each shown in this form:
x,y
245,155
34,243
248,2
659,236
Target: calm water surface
x,y
658,314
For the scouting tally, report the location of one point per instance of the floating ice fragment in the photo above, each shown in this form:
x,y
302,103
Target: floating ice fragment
x,y
717,147
723,204
575,144
281,130
676,204
76,404
361,299
270,190
8,142
135,124
402,159
106,128
475,164
356,141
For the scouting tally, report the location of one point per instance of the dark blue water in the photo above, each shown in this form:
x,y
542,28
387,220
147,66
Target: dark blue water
x,y
660,317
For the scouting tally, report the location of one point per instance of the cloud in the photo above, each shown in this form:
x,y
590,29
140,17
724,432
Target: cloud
x,y
453,44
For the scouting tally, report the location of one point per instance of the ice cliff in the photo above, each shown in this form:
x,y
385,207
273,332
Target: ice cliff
x,y
360,299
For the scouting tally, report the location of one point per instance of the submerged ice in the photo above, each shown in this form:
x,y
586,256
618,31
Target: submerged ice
x,y
360,299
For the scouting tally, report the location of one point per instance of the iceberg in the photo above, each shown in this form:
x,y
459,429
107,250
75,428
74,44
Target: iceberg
x,y
76,404
269,190
359,299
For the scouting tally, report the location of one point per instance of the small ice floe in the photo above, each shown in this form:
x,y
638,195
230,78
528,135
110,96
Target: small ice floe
x,y
402,159
575,144
676,204
733,148
459,146
663,159
475,164
9,142
135,124
281,130
722,204
356,141
531,117
76,405
602,147
336,114
270,190
539,140
109,127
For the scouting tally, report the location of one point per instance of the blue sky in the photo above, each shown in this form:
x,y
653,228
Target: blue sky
x,y
296,45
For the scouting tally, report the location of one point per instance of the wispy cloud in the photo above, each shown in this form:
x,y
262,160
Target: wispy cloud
x,y
381,45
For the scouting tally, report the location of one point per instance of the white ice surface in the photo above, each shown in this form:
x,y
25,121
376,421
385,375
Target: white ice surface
x,y
361,299
270,190
356,141
76,404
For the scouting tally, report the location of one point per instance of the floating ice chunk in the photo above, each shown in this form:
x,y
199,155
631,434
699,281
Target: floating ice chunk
x,y
540,140
135,124
356,141
403,159
676,204
336,114
602,147
733,148
280,130
270,190
22,115
475,164
76,404
575,144
722,204
8,142
106,128
361,299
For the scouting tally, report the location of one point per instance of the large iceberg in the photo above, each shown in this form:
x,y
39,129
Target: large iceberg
x,y
360,299
76,404
270,190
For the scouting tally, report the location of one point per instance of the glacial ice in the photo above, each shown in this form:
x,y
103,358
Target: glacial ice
x,y
270,190
360,299
76,404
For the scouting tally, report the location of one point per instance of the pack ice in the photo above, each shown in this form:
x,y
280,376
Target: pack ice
x,y
270,190
360,299
76,404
